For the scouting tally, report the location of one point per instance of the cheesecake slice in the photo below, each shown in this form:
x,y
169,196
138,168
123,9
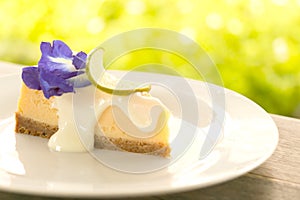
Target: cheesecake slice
x,y
108,135
36,116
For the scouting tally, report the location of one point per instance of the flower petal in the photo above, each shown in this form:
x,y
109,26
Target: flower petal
x,y
57,53
46,48
79,60
53,85
61,49
58,50
59,69
30,76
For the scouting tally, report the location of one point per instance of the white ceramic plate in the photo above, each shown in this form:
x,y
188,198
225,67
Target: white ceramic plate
x,y
27,166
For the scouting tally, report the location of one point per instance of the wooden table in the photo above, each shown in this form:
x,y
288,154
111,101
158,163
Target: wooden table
x,y
277,178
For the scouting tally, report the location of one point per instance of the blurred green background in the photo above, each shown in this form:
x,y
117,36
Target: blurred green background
x,y
254,43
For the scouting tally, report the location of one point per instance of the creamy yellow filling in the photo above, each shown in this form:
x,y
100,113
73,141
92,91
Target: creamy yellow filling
x,y
109,128
32,104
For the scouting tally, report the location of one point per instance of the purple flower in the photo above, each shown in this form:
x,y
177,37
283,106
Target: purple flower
x,y
30,77
58,70
79,60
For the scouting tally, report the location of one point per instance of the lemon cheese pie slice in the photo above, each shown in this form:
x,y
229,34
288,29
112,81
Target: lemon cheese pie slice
x,y
130,129
35,114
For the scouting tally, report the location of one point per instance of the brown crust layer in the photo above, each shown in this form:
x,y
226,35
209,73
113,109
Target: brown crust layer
x,y
121,144
31,127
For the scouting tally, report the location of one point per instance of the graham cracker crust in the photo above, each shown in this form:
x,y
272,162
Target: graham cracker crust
x,y
121,144
31,127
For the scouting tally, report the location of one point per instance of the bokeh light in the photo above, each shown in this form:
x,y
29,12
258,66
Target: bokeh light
x,y
255,44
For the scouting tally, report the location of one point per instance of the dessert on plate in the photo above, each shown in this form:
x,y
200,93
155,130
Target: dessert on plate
x,y
45,108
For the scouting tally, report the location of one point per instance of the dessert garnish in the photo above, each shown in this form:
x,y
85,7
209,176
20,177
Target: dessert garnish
x,y
104,81
60,71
